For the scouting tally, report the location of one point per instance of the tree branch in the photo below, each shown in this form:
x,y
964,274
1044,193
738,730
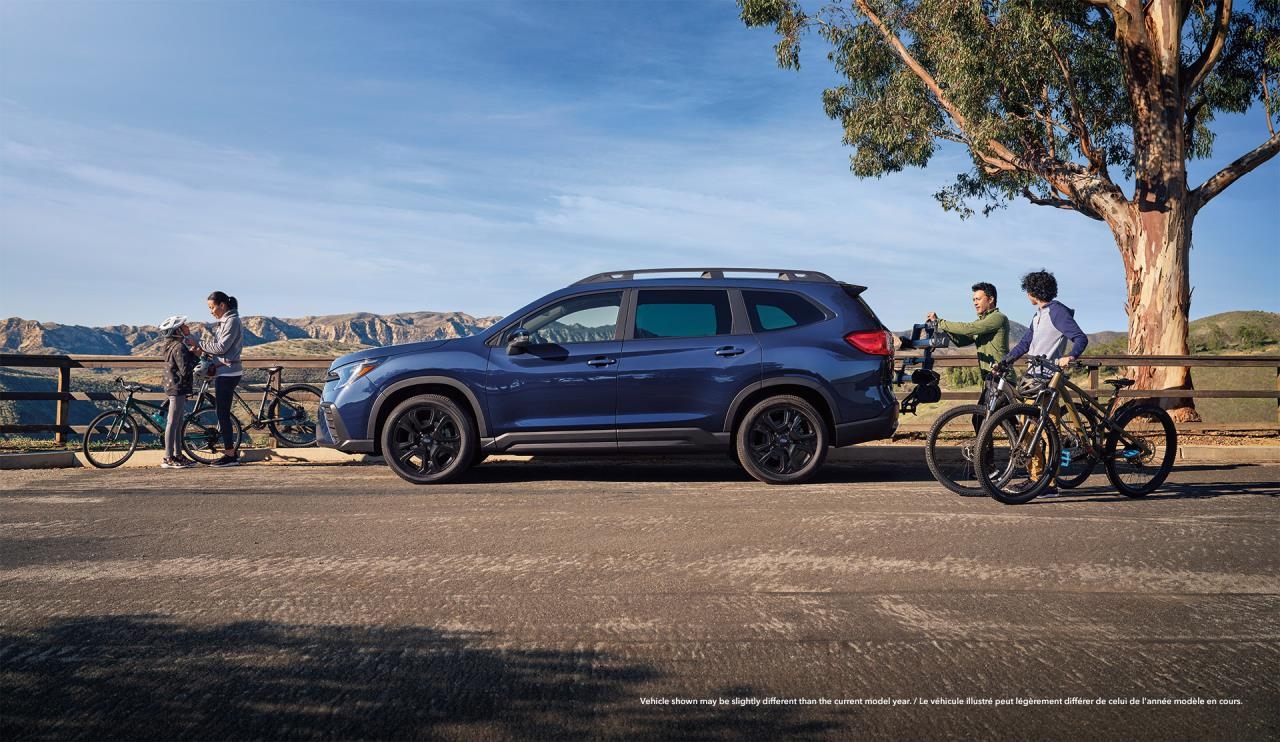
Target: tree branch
x,y
1060,203
1077,111
1233,172
1194,75
1000,158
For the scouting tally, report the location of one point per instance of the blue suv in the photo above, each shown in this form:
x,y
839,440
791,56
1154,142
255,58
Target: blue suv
x,y
772,366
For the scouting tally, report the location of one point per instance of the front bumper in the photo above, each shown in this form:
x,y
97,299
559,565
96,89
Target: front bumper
x,y
331,433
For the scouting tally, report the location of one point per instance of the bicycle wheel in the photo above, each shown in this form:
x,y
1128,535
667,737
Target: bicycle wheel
x,y
293,415
201,438
1014,464
1139,460
1084,458
110,439
950,449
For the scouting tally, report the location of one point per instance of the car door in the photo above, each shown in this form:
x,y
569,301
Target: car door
x,y
683,361
562,388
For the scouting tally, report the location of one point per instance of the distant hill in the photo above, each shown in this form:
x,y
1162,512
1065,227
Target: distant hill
x,y
334,333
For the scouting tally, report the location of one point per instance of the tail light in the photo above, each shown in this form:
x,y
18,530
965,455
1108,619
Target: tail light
x,y
872,342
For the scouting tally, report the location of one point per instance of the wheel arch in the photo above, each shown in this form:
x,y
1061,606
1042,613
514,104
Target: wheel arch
x,y
806,389
398,392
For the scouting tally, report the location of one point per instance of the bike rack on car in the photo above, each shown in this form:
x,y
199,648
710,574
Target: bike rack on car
x,y
926,338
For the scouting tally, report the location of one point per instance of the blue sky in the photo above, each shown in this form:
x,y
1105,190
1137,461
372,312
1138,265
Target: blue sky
x,y
324,157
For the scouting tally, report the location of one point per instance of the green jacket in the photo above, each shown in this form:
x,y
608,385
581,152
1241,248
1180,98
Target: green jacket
x,y
990,333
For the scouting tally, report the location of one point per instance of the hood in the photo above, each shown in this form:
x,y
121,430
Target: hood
x,y
388,351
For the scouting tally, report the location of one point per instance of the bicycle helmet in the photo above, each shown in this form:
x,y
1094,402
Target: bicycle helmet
x,y
173,323
1031,385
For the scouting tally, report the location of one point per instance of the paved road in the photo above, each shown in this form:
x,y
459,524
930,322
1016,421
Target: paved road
x,y
570,600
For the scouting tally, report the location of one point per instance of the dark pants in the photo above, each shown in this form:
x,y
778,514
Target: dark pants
x,y
224,388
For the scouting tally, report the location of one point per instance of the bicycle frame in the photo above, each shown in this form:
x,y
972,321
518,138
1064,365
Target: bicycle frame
x,y
257,420
1059,388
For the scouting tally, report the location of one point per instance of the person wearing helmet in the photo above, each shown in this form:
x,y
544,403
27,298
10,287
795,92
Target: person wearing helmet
x,y
1052,327
179,366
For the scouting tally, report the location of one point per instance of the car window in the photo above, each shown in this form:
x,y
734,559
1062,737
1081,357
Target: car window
x,y
778,310
676,313
581,319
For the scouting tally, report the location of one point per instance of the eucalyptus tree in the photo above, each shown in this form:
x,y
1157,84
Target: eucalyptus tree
x,y
1093,106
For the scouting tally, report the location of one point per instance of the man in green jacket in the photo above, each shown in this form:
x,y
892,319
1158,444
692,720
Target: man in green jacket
x,y
990,332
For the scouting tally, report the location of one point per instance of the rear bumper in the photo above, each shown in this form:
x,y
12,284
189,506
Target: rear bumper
x,y
873,429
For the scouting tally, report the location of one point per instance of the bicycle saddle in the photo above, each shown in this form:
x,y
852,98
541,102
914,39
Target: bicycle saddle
x,y
275,369
1119,383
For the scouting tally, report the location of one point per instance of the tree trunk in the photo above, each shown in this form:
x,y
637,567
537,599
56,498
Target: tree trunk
x,y
1156,255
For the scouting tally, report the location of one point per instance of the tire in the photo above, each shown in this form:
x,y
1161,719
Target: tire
x,y
1005,452
1138,471
782,440
201,438
429,439
299,406
950,450
1081,466
110,439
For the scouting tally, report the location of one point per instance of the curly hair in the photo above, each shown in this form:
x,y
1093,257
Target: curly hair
x,y
1041,284
985,288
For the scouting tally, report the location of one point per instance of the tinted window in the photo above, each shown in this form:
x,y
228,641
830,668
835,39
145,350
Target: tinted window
x,y
682,313
582,319
778,310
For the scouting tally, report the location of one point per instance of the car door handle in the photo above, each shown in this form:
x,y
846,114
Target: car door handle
x,y
601,361
728,351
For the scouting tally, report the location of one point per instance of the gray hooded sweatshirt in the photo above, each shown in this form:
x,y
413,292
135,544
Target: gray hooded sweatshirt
x,y
226,344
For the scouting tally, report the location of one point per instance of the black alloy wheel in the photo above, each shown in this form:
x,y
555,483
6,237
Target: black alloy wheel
x,y
782,440
429,439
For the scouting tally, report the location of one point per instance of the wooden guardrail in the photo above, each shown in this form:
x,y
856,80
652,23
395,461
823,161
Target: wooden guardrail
x,y
64,396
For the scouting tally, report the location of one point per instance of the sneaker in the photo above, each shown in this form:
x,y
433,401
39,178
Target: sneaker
x,y
1052,491
227,461
168,463
186,462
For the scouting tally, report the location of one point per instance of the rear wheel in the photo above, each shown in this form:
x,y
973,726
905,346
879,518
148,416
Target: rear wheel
x,y
110,440
202,439
1138,461
293,415
429,439
951,449
782,440
1015,465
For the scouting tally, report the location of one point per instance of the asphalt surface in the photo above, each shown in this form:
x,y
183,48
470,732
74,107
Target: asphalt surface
x,y
633,600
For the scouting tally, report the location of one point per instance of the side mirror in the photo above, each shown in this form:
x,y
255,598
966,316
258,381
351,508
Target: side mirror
x,y
518,341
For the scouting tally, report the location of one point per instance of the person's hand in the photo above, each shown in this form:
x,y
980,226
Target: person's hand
x,y
932,317
999,367
1065,361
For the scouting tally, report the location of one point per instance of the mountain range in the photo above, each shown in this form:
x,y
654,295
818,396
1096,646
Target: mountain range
x,y
321,335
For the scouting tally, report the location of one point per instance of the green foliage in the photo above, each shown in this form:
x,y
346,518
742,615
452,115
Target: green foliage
x,y
963,376
1043,79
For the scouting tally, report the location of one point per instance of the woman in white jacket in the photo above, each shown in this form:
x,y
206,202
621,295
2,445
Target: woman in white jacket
x,y
224,349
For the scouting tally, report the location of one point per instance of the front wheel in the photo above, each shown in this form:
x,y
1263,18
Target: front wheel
x,y
1015,464
201,438
1139,459
293,415
782,440
951,449
429,439
110,440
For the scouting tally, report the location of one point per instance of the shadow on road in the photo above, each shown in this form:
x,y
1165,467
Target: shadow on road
x,y
146,677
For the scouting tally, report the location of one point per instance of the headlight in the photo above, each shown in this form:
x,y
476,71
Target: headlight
x,y
348,374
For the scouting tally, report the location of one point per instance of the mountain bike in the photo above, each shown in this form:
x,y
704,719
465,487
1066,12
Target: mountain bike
x,y
1021,447
113,436
950,448
290,415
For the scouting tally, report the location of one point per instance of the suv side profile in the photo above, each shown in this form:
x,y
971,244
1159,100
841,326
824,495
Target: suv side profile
x,y
771,366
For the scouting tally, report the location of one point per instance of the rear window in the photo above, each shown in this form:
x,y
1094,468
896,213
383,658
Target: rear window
x,y
779,310
682,313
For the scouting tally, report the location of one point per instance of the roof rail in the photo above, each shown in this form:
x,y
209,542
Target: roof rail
x,y
781,274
